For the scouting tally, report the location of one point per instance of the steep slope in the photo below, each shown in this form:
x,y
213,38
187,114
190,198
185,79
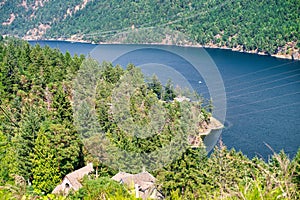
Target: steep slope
x,y
34,17
271,26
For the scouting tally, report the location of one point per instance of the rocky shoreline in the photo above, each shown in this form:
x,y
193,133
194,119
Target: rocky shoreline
x,y
197,140
294,56
214,124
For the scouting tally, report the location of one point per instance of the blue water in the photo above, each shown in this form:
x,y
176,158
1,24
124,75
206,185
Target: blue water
x,y
263,93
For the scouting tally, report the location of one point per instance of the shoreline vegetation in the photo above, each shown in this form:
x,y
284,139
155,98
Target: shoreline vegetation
x,y
295,56
258,27
40,143
213,125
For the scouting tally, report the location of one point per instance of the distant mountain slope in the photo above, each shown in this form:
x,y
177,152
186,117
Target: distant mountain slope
x,y
271,26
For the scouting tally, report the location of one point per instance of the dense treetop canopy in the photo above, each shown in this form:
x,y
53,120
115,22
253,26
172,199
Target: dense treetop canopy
x,y
269,26
40,143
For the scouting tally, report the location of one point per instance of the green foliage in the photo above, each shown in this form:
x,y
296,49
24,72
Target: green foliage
x,y
169,93
29,124
36,110
39,143
8,160
295,170
45,165
135,119
265,26
228,175
101,188
4,170
14,191
185,175
5,195
50,197
56,153
156,86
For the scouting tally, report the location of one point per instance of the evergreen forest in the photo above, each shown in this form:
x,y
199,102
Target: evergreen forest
x,y
268,26
44,135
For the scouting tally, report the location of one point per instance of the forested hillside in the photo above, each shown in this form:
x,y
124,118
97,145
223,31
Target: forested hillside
x,y
40,143
271,26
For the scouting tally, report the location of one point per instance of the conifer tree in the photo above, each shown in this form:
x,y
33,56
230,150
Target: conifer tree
x,y
56,146
184,175
31,118
156,86
45,164
169,93
4,168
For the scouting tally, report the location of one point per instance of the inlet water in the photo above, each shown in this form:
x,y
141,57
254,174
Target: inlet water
x,y
263,95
